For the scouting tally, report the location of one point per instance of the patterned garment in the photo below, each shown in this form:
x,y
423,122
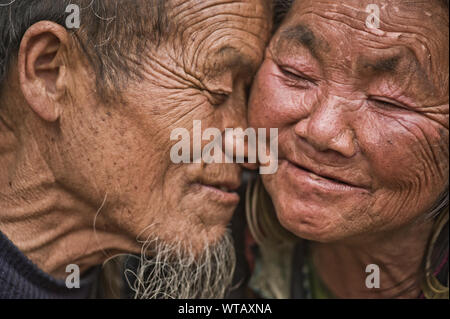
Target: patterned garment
x,y
273,276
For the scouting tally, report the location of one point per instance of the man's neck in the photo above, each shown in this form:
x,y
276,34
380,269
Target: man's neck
x,y
49,224
399,256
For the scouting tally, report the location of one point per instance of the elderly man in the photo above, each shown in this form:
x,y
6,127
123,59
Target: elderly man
x,y
85,122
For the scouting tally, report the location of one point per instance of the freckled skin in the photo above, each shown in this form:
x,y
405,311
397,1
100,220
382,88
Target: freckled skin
x,y
175,91
330,111
119,154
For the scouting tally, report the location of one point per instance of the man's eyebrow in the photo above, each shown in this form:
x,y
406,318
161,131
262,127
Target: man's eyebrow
x,y
231,58
301,35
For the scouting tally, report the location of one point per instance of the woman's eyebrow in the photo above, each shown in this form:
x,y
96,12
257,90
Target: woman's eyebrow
x,y
388,64
301,35
392,65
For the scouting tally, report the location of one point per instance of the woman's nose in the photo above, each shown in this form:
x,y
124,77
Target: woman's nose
x,y
326,129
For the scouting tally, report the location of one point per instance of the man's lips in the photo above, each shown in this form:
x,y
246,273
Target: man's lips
x,y
327,175
225,185
220,191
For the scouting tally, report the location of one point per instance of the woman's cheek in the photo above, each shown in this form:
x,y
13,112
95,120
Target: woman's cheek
x,y
397,149
262,99
273,103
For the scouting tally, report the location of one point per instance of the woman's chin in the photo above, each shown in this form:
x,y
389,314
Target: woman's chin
x,y
312,225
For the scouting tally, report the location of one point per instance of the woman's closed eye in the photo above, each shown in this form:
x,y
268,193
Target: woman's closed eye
x,y
297,78
387,102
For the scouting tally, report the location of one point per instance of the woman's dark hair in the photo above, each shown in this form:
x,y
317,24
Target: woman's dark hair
x,y
281,8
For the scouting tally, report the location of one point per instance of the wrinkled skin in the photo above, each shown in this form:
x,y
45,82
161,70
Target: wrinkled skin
x,y
112,162
336,125
354,105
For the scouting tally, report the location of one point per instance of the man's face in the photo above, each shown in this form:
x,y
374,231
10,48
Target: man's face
x,y
121,152
362,115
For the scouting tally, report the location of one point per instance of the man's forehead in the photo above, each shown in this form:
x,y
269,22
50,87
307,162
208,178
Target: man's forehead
x,y
222,36
214,7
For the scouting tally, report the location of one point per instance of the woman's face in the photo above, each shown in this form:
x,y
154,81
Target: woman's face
x,y
362,116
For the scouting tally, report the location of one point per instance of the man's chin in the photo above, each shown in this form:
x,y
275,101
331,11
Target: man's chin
x,y
212,209
184,269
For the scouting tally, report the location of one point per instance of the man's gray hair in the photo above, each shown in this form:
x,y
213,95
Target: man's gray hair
x,y
112,32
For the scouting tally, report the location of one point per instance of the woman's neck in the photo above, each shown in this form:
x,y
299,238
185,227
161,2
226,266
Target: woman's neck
x,y
398,256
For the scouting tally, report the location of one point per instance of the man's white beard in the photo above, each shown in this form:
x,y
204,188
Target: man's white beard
x,y
175,272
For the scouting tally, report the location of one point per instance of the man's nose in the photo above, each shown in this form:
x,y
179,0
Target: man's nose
x,y
240,146
248,149
326,128
236,117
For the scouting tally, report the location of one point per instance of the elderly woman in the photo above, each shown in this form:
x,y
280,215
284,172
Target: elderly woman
x,y
359,92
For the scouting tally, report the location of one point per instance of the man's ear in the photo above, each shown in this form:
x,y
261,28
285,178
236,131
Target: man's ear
x,y
42,69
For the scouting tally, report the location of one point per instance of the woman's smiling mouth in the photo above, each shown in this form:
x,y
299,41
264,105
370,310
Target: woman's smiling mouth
x,y
305,177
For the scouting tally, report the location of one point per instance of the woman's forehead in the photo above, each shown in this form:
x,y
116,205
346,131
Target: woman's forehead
x,y
410,38
393,16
